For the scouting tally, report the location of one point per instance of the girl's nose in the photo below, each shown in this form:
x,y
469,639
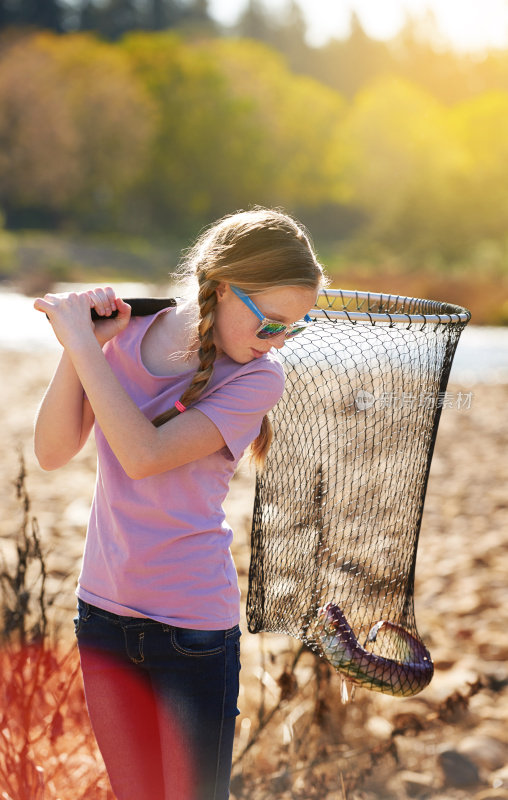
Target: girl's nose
x,y
279,340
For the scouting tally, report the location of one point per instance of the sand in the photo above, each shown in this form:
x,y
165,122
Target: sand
x,y
461,600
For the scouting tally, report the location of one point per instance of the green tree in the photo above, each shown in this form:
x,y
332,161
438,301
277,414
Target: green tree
x,y
235,127
421,55
255,22
290,38
405,168
481,126
75,127
299,153
162,14
112,19
39,162
196,20
89,16
200,149
348,64
283,30
37,13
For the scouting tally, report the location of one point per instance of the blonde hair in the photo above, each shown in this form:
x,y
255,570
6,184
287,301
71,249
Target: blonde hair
x,y
255,250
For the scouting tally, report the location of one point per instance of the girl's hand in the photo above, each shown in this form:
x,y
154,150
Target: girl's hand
x,y
70,317
104,303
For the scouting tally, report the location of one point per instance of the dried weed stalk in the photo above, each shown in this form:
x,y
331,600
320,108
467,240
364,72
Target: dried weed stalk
x,y
47,750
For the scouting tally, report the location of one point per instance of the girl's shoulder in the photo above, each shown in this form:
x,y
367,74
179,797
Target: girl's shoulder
x,y
261,376
268,364
134,333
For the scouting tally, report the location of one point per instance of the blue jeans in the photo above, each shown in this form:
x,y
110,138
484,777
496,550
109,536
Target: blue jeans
x,y
162,702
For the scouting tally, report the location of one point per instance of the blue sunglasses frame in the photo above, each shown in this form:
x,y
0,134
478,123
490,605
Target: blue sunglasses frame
x,y
289,330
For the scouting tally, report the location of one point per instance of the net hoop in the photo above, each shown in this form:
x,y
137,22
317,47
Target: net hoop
x,y
375,307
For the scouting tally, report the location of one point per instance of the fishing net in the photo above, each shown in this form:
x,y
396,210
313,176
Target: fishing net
x,y
339,505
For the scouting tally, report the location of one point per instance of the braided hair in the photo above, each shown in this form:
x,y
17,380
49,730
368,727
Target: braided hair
x,y
207,299
255,250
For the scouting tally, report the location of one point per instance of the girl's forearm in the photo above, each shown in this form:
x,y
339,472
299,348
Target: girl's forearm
x,y
131,436
64,419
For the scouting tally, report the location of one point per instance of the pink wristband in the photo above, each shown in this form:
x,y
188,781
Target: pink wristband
x,y
179,406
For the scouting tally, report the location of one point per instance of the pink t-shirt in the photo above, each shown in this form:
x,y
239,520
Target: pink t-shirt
x,y
159,547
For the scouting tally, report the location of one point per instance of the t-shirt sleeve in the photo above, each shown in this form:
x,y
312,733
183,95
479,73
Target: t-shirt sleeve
x,y
237,408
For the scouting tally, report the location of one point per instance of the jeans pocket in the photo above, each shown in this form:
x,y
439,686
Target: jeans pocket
x,y
82,616
191,642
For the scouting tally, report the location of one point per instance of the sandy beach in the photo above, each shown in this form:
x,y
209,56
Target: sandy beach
x,y
449,742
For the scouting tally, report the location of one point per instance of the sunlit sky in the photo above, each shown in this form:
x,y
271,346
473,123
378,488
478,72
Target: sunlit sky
x,y
468,25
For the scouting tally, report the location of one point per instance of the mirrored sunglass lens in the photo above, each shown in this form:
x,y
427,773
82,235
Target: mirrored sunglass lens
x,y
270,329
295,331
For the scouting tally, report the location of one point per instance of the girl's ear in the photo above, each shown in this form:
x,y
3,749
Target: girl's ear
x,y
221,290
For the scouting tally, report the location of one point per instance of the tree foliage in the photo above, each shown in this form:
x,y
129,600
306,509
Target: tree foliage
x,y
430,177
75,127
296,121
235,127
405,165
161,132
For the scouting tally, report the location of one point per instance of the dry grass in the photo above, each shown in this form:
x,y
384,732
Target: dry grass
x,y
47,749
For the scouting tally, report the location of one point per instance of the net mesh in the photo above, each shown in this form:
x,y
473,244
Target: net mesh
x,y
338,507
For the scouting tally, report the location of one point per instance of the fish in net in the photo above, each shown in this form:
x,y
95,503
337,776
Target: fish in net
x,y
339,504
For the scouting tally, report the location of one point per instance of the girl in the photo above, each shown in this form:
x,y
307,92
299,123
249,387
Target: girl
x,y
176,398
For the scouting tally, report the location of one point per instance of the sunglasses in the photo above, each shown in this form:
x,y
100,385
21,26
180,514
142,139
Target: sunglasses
x,y
269,327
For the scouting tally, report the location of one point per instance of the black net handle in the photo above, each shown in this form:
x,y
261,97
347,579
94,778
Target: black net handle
x,y
142,306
